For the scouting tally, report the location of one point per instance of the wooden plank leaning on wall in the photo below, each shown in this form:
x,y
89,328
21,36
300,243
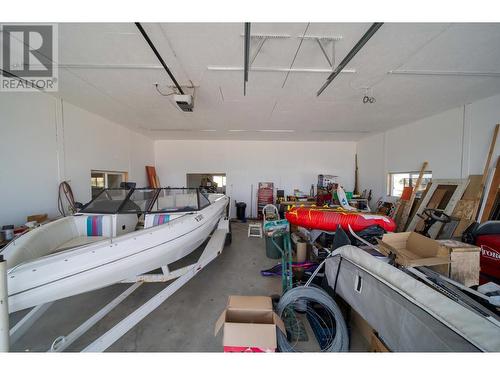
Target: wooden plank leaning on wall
x,y
465,207
492,194
153,180
407,206
477,204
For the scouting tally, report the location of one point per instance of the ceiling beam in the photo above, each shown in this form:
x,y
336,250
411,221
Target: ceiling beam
x,y
216,68
296,53
365,38
158,56
110,66
246,57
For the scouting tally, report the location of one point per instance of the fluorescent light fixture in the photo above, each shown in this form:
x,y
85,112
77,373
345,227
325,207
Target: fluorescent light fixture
x,y
168,130
276,130
444,73
262,130
179,130
274,69
268,36
320,37
340,131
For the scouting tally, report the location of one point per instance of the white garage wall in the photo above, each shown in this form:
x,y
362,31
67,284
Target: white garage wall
x,y
44,141
28,157
481,117
455,143
290,165
371,164
92,142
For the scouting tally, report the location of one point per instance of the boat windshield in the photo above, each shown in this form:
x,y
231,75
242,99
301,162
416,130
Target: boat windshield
x,y
145,200
109,201
179,200
141,201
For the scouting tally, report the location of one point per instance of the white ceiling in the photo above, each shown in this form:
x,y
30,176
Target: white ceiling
x,y
110,70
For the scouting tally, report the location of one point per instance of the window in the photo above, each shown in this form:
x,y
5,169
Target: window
x,y
105,179
208,182
400,180
219,180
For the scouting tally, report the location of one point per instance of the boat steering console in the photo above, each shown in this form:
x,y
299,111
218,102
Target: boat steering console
x,y
430,217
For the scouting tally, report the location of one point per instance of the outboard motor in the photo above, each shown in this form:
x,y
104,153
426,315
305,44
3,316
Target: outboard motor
x,y
487,236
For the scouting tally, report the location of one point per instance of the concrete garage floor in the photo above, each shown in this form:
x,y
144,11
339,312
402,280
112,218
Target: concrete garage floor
x,y
183,323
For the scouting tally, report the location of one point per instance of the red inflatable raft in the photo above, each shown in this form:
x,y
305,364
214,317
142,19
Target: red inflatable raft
x,y
328,219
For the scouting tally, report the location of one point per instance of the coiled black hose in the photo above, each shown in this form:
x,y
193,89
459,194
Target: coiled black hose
x,y
338,343
65,190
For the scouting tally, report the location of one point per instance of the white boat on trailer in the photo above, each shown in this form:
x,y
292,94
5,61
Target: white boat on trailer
x,y
117,237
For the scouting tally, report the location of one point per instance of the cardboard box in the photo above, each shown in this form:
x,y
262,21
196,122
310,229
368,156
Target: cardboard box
x,y
412,249
454,259
249,325
40,218
465,259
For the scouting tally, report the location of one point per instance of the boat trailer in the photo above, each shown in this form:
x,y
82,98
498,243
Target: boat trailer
x,y
212,250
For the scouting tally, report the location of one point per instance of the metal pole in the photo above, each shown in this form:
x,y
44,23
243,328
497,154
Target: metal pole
x,y
213,248
63,342
246,62
296,53
27,322
4,307
111,336
158,56
365,38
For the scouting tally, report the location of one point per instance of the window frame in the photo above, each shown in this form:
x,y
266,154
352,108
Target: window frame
x,y
124,175
412,178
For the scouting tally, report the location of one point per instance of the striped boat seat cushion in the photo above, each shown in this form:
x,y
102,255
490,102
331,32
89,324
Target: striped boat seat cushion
x,y
160,219
94,225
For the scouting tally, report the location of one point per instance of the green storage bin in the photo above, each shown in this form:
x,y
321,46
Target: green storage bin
x,y
348,195
271,250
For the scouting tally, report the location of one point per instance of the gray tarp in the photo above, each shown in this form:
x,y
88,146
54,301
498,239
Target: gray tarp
x,y
407,314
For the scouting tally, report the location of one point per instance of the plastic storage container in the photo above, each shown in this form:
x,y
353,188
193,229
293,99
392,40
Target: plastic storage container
x,y
240,211
271,250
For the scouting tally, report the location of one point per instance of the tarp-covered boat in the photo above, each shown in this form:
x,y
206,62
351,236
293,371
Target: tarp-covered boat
x,y
327,219
407,314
